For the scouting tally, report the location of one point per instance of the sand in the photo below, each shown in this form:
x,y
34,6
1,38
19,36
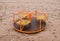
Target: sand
x,y
52,30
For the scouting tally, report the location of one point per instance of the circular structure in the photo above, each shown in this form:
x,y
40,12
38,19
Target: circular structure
x,y
30,24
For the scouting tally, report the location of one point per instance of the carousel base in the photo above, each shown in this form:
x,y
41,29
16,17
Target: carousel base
x,y
32,27
30,32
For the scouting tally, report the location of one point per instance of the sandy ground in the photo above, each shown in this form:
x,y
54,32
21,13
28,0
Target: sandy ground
x,y
52,7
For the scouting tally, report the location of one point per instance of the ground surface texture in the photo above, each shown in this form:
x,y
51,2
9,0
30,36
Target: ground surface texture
x,y
52,31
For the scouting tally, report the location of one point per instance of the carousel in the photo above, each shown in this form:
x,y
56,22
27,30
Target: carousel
x,y
29,22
